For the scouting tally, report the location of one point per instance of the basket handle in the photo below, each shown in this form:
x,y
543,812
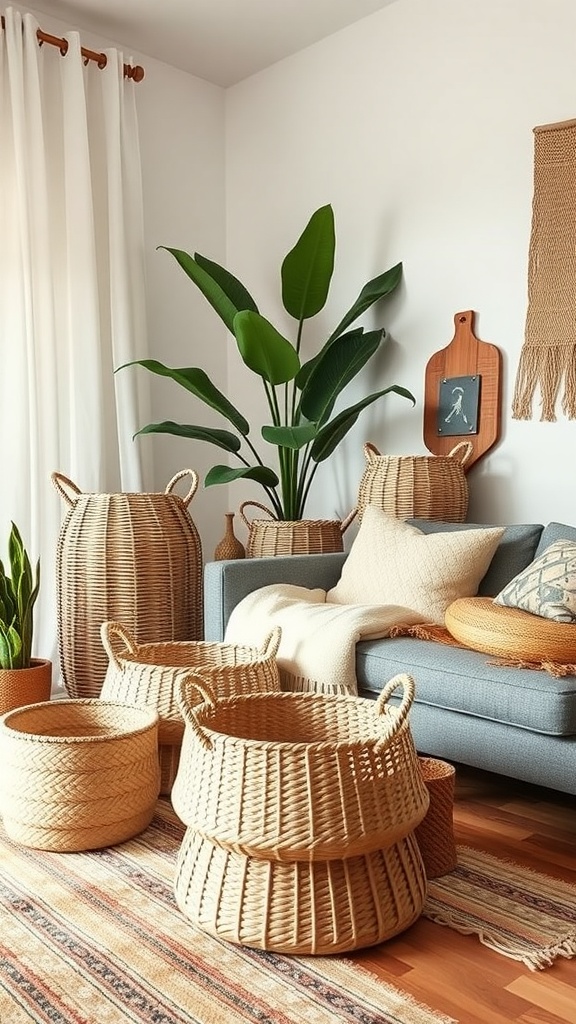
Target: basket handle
x,y
256,504
464,458
407,684
184,688
370,451
193,486
108,632
271,643
349,519
62,485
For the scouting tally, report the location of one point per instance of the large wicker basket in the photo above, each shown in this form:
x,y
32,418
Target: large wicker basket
x,y
272,536
78,774
150,673
132,558
302,776
416,486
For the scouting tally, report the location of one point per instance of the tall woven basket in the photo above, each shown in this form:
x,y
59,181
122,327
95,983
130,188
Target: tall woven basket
x,y
300,811
131,558
416,486
272,536
151,673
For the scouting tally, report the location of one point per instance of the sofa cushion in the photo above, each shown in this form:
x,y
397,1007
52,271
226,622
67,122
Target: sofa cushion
x,y
553,532
391,562
469,682
483,625
515,551
546,587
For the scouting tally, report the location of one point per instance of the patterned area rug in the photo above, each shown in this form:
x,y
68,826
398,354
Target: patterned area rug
x,y
522,914
96,938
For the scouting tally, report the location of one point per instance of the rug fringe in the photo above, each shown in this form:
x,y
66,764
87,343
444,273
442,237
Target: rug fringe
x,y
535,961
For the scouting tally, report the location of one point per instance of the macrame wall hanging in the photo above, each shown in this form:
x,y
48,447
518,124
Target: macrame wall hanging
x,y
548,357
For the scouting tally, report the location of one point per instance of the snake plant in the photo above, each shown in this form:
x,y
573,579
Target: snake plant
x,y
18,593
301,396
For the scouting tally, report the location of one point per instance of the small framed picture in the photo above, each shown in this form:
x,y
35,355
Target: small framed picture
x,y
458,404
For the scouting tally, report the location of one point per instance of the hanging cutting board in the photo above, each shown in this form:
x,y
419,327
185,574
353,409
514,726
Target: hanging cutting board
x,y
462,393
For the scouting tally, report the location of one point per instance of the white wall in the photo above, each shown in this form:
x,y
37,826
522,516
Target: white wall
x,y
416,124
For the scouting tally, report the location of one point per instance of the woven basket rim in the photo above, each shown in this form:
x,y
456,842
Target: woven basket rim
x,y
147,715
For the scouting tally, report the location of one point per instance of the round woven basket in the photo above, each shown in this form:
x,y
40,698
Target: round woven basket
x,y
416,486
435,833
318,907
272,536
505,632
78,774
150,673
132,558
300,776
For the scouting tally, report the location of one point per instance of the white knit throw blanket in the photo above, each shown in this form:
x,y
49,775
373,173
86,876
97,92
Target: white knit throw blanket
x,y
318,646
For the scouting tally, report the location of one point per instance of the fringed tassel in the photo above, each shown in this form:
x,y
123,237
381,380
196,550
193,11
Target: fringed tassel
x,y
302,684
545,368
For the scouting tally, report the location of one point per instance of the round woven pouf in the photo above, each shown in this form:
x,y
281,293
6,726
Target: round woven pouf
x,y
78,774
435,833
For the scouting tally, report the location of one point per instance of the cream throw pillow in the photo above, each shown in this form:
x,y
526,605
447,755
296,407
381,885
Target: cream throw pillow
x,y
391,562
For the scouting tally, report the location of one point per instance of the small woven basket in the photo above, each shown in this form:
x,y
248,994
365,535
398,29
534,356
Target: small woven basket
x,y
318,907
272,536
416,486
149,673
300,776
435,833
78,774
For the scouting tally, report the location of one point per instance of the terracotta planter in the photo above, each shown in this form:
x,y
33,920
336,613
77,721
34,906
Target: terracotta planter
x,y
21,686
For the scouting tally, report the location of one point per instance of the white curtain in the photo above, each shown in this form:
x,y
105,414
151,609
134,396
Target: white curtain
x,y
72,298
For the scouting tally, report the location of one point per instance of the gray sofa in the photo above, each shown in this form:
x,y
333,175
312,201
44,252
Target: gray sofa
x,y
519,723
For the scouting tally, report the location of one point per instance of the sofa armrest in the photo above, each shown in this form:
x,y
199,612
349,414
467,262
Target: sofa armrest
x,y
228,581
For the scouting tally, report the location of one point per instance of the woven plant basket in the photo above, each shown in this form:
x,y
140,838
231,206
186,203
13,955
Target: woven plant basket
x,y
78,774
435,833
318,907
131,558
272,536
300,776
416,486
149,673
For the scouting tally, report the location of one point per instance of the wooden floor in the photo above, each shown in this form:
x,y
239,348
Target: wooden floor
x,y
456,974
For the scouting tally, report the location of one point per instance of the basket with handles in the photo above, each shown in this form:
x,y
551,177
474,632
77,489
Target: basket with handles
x,y
131,558
150,673
271,536
416,486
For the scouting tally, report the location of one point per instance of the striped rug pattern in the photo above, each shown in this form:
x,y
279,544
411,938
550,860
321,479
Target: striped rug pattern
x,y
97,938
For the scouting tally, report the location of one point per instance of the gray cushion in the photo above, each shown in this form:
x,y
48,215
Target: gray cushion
x,y
515,551
553,532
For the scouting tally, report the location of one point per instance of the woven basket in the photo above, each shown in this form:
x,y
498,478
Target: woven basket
x,y
78,774
293,907
300,776
416,486
150,673
132,558
435,833
299,537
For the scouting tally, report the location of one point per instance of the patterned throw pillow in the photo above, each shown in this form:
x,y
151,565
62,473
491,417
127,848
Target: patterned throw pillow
x,y
391,562
547,587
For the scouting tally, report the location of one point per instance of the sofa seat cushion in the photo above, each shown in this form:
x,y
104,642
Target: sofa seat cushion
x,y
455,679
483,625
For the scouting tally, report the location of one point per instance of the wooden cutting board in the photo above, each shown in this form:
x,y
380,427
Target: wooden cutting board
x,y
462,393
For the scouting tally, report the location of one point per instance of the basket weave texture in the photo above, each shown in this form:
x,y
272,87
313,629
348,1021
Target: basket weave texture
x,y
132,558
78,774
416,486
271,536
300,823
435,833
506,632
150,673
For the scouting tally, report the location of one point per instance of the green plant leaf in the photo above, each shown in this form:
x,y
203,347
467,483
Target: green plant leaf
x,y
335,368
329,436
290,437
376,289
264,350
211,289
195,380
225,475
307,368
222,438
239,295
10,647
307,269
